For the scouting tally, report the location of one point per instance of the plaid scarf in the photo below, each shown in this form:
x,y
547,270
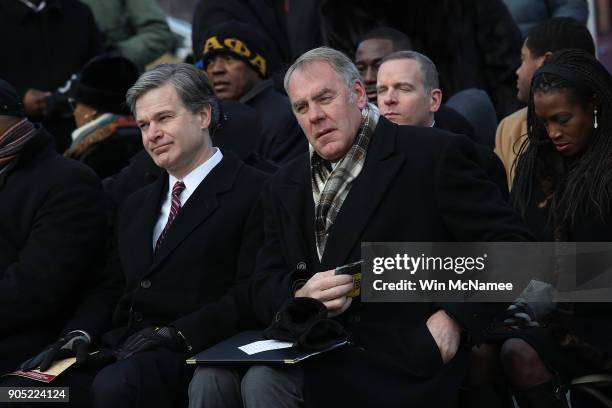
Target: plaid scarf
x,y
14,139
96,132
331,186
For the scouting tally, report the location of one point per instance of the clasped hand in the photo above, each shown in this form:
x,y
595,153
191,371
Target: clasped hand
x,y
330,289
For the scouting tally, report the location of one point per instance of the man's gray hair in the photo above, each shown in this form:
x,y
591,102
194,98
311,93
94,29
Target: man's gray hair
x,y
428,68
340,63
191,85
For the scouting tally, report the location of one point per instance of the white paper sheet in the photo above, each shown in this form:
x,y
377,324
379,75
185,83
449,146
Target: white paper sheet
x,y
264,345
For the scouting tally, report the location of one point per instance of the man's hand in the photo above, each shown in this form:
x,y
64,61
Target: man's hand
x,y
34,102
74,344
330,289
152,338
446,333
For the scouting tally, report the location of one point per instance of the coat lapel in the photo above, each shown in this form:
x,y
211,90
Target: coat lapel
x,y
137,236
4,172
201,205
366,193
298,212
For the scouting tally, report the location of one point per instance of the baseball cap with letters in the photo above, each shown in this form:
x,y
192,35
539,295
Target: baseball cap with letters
x,y
240,40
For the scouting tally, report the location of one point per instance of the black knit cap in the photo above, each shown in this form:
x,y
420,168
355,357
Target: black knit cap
x,y
10,105
104,83
240,40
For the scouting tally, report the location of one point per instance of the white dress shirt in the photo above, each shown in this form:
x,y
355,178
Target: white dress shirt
x,y
191,181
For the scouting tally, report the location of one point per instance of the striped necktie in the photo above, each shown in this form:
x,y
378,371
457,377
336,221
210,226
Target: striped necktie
x,y
178,188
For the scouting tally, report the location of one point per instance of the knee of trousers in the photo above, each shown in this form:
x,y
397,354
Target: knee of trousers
x,y
213,379
116,382
262,378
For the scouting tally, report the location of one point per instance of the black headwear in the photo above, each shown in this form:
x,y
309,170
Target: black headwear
x,y
10,105
240,40
104,83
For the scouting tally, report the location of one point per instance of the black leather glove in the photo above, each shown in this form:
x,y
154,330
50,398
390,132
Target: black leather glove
x,y
74,344
304,321
152,338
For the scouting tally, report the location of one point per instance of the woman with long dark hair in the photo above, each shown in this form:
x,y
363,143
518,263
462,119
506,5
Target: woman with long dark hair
x,y
563,188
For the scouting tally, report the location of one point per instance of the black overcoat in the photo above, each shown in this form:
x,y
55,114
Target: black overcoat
x,y
417,185
52,240
210,246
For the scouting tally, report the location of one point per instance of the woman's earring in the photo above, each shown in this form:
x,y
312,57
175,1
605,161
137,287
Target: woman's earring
x,y
595,122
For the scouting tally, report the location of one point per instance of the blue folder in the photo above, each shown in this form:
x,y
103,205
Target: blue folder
x,y
228,352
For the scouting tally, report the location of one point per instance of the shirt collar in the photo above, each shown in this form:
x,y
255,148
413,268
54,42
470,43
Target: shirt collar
x,y
195,177
19,12
37,8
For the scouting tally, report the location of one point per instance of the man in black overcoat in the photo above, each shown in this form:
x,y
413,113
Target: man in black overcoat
x,y
52,234
182,242
368,180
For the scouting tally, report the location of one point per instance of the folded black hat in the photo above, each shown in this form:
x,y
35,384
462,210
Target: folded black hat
x,y
104,83
304,321
10,104
240,40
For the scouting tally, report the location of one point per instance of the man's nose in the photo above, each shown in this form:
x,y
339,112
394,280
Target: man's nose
x,y
315,113
216,66
390,98
153,132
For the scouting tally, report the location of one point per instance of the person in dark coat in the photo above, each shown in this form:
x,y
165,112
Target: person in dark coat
x,y
409,94
60,36
407,354
380,42
563,187
236,59
53,234
179,247
106,136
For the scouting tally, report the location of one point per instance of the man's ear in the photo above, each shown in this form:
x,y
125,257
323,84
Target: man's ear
x,y
436,100
205,116
360,94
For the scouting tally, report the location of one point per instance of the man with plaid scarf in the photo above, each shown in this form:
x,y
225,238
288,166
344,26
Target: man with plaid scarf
x,y
368,180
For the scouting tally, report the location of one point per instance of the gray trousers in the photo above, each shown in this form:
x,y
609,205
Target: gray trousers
x,y
259,386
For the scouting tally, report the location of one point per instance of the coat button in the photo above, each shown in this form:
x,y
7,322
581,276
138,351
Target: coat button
x,y
301,266
145,284
138,316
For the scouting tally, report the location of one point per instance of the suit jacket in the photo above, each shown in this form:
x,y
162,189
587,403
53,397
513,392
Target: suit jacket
x,y
417,184
211,245
52,241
